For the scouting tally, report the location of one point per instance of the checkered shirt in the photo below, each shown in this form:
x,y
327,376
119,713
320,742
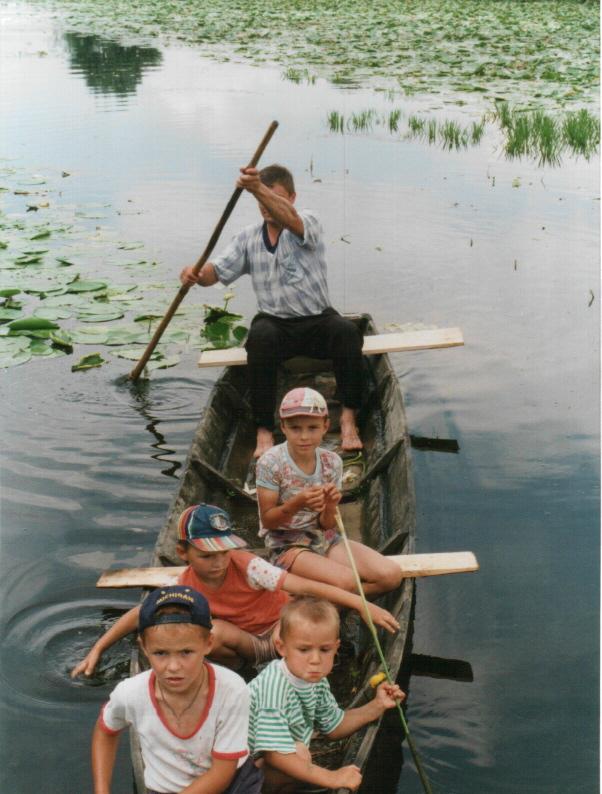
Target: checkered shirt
x,y
291,281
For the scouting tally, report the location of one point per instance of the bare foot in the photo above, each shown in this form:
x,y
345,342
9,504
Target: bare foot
x,y
350,437
265,440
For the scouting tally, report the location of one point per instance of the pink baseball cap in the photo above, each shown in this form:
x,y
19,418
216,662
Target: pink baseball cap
x,y
303,402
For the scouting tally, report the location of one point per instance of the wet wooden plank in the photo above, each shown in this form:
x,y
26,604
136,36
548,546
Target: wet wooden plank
x,y
405,341
411,564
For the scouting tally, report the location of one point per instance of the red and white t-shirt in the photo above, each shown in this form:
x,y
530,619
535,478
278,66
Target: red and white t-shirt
x,y
172,762
250,596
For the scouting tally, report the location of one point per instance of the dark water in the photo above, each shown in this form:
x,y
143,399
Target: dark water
x,y
89,463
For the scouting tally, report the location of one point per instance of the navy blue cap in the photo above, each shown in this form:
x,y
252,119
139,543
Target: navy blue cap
x,y
178,595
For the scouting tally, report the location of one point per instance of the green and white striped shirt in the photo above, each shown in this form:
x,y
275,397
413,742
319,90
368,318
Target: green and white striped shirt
x,y
285,710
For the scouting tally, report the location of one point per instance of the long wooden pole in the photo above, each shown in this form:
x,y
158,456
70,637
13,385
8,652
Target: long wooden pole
x,y
182,292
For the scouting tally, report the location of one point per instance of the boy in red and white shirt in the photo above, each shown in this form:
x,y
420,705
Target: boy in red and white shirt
x,y
245,593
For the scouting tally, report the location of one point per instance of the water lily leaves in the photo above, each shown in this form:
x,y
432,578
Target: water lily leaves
x,y
88,362
99,315
50,313
86,286
130,246
39,347
33,324
53,291
134,353
7,314
14,358
12,344
29,259
221,329
90,336
62,340
163,363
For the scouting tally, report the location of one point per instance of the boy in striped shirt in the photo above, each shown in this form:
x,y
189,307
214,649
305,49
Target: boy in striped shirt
x,y
291,698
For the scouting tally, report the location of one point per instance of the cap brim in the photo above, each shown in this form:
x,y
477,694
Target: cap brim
x,y
302,412
218,543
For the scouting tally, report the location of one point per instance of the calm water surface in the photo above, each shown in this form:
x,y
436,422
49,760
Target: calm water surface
x,y
89,463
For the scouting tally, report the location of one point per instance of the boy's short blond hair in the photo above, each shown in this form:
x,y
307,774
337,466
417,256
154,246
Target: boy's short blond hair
x,y
315,610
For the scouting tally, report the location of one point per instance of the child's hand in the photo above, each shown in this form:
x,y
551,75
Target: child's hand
x,y
87,665
380,617
332,495
347,777
313,498
388,695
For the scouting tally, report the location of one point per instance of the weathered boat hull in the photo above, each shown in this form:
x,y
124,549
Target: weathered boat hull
x,y
378,506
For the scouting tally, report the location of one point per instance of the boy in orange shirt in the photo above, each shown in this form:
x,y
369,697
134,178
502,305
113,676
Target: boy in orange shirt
x,y
245,592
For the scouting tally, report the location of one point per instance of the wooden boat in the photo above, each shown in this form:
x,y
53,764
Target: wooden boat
x,y
378,507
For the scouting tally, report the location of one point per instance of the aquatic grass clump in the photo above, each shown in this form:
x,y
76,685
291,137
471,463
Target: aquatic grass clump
x,y
581,132
537,134
476,131
431,131
336,121
453,136
416,125
295,75
393,120
363,121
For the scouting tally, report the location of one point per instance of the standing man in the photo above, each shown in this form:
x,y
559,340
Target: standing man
x,y
285,257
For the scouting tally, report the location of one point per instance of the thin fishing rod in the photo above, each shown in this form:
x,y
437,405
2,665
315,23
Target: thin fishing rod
x,y
421,774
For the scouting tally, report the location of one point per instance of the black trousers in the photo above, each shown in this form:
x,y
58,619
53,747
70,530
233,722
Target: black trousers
x,y
272,340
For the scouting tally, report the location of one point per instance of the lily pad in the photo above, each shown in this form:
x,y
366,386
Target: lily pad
x,y
33,324
66,299
13,359
62,340
163,363
11,344
50,313
88,362
8,314
86,286
39,347
9,292
91,336
100,316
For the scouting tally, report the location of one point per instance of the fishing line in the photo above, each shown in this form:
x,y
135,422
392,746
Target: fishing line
x,y
344,213
379,650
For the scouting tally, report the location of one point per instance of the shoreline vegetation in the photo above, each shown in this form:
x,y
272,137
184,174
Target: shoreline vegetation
x,y
533,55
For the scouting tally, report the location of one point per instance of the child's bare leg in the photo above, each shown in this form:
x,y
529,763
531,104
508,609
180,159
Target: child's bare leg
x,y
350,437
378,574
265,441
231,645
323,569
